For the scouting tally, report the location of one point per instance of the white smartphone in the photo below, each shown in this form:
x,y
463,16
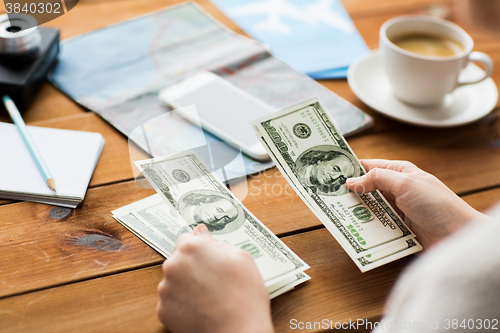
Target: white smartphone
x,y
223,110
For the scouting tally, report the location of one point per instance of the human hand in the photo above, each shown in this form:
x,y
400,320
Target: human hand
x,y
431,210
209,286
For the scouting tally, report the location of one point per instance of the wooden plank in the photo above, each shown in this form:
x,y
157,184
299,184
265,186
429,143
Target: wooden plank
x,y
42,245
337,291
479,23
357,8
484,200
49,103
369,25
5,201
119,303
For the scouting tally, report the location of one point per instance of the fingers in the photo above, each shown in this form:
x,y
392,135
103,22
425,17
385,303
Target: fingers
x,y
384,175
162,286
188,243
387,180
161,311
201,229
374,163
400,166
195,243
392,201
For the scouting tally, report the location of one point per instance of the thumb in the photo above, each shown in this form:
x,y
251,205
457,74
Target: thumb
x,y
202,230
377,179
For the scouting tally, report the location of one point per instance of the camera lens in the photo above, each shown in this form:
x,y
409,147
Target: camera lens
x,y
18,45
13,29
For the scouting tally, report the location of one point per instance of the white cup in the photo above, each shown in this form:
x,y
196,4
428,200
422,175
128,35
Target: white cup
x,y
425,80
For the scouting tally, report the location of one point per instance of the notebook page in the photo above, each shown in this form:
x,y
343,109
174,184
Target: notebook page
x,y
71,157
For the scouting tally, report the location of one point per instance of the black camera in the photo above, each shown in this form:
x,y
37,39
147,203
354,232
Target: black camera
x,y
26,56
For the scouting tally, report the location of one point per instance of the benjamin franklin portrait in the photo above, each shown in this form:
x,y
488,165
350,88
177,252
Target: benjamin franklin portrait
x,y
218,212
325,169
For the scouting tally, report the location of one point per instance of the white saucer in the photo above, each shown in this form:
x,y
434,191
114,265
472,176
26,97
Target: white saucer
x,y
466,104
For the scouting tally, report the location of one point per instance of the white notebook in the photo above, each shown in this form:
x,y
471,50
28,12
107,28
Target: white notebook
x,y
71,157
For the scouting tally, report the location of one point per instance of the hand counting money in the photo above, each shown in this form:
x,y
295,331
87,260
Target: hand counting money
x,y
193,195
316,160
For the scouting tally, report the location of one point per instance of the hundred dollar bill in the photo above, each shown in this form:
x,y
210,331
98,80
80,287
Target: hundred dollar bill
x,y
149,232
289,284
162,219
316,160
200,198
144,230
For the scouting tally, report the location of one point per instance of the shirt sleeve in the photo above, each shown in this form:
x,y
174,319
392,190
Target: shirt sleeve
x,y
454,287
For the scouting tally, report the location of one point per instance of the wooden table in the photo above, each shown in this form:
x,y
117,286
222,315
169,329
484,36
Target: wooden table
x,y
65,270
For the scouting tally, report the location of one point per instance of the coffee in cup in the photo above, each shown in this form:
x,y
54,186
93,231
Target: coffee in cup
x,y
428,45
423,57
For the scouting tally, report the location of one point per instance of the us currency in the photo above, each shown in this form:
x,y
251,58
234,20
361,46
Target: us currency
x,y
316,160
144,229
152,234
288,284
162,219
199,197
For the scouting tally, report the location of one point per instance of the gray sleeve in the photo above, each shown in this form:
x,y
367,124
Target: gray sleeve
x,y
457,282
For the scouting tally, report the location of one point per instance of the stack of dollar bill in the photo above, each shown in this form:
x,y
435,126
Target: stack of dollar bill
x,y
316,160
189,194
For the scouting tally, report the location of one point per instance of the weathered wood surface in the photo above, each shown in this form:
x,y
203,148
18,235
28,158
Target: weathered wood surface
x,y
43,246
75,245
48,104
122,302
125,302
484,200
337,291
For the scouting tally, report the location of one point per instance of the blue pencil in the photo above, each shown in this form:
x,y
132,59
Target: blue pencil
x,y
35,154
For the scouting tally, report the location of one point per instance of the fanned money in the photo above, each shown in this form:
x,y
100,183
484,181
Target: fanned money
x,y
189,194
316,160
141,229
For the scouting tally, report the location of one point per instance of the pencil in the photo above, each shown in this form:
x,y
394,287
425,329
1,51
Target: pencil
x,y
30,144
